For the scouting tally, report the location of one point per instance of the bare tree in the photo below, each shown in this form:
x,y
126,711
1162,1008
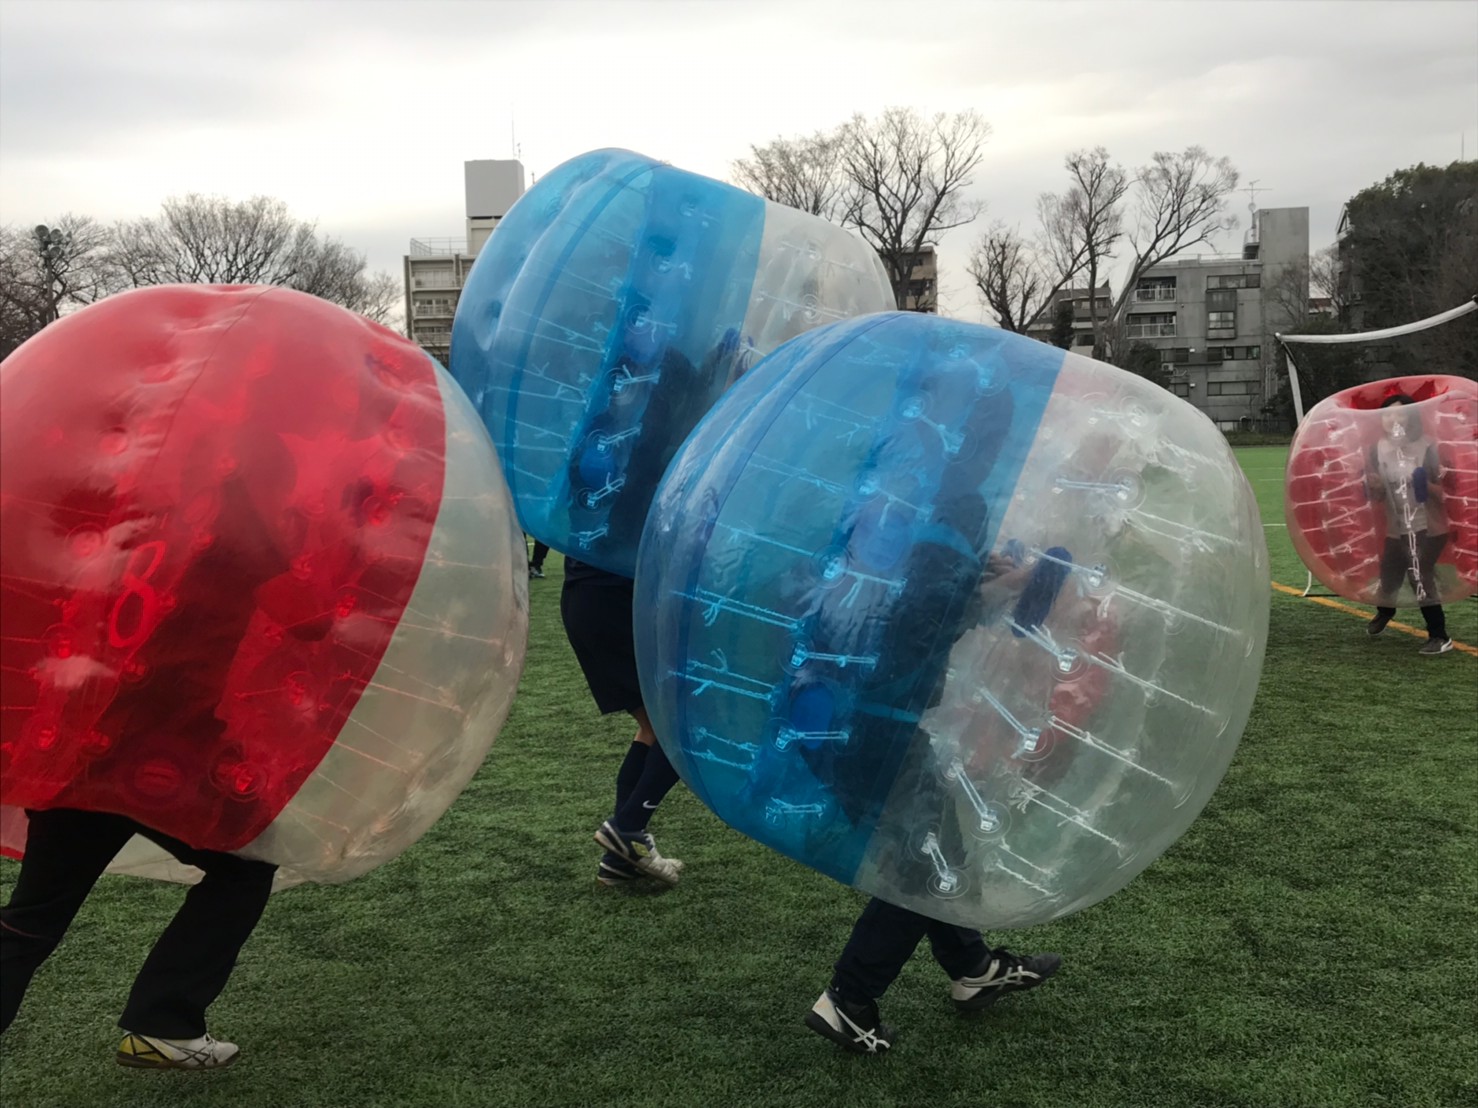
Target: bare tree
x,y
1180,202
211,240
804,173
1091,215
1009,277
898,180
1324,279
905,178
48,270
1285,295
1077,234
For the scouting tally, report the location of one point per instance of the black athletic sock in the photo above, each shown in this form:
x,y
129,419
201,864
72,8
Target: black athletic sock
x,y
630,772
657,779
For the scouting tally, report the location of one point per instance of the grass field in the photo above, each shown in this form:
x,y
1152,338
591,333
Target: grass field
x,y
1309,942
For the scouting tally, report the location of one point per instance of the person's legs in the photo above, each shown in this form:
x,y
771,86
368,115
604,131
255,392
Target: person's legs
x,y
596,610
630,850
1432,614
960,951
882,941
655,781
631,769
193,959
1394,563
536,560
613,868
66,852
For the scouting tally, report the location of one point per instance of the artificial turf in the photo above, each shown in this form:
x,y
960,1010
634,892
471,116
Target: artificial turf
x,y
1309,942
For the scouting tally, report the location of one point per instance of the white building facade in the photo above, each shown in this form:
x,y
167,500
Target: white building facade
x,y
437,268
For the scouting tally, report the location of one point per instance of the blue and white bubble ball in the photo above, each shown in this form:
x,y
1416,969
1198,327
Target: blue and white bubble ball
x,y
615,302
959,619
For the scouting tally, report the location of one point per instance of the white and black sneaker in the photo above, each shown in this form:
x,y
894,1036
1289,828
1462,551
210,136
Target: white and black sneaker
x,y
616,870
1002,973
640,850
1435,646
854,1027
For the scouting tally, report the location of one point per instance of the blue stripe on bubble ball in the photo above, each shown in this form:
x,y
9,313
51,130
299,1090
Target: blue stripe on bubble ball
x,y
810,560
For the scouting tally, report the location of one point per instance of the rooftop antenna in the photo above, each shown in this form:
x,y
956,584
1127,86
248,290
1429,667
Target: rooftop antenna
x,y
1252,190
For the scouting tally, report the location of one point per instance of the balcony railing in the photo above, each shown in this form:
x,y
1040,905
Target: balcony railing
x,y
1150,330
433,311
1158,292
437,248
436,281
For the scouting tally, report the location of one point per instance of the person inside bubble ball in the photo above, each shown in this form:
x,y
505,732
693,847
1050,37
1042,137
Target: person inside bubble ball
x,y
595,606
67,849
885,935
948,589
1403,473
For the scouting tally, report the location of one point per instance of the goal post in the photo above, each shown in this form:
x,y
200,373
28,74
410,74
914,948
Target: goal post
x,y
1359,337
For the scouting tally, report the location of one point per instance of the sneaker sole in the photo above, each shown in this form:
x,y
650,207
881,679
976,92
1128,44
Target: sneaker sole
x,y
978,1003
135,1063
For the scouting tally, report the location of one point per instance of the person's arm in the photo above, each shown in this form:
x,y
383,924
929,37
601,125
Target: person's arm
x,y
1431,478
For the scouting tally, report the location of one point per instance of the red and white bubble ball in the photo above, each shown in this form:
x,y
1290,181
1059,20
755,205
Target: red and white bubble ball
x,y
263,588
1382,495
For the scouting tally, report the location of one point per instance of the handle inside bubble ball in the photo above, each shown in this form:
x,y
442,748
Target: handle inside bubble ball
x,y
1041,590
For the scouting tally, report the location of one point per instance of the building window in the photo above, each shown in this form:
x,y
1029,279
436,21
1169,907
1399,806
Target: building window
x,y
1233,353
1235,281
1181,388
1231,388
1220,321
1175,355
1084,338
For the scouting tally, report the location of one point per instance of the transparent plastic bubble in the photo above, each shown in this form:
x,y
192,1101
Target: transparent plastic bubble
x,y
987,672
619,298
259,567
1382,499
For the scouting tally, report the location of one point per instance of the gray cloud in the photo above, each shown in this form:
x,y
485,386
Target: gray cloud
x,y
1316,100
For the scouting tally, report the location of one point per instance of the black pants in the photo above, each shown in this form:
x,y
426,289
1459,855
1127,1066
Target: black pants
x,y
541,551
885,937
1396,565
66,852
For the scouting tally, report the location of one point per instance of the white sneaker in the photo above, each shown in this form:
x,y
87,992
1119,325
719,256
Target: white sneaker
x,y
640,850
153,1053
1002,973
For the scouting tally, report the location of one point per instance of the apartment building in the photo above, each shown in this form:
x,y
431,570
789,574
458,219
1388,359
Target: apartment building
x,y
1213,317
1042,327
923,282
437,268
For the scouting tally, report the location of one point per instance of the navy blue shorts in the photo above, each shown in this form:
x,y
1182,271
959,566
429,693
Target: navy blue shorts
x,y
596,609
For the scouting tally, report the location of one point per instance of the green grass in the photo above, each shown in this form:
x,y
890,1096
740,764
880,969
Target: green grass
x,y
1309,942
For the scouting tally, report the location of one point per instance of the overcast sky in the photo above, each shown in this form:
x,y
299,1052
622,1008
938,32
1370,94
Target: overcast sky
x,y
359,113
